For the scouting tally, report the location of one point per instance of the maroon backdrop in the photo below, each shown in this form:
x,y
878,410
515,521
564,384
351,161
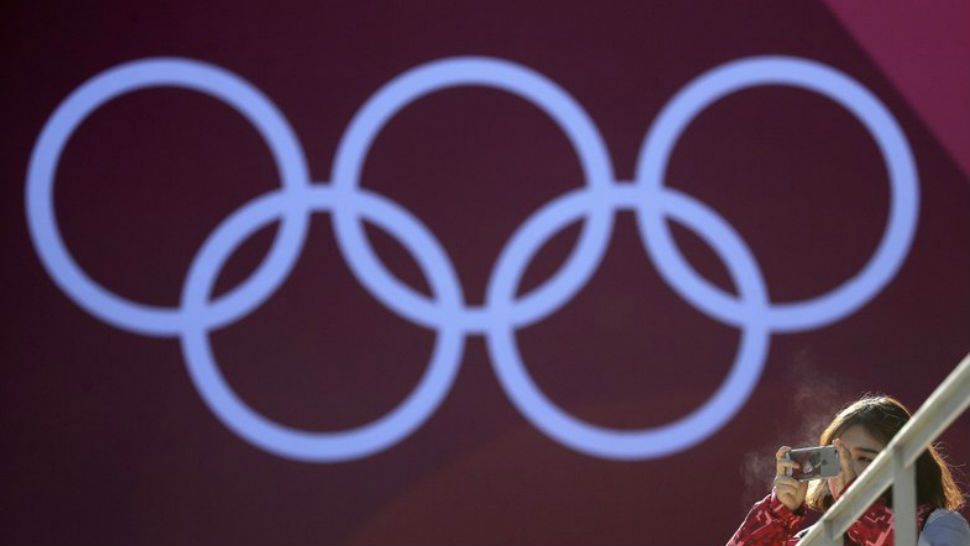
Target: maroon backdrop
x,y
105,440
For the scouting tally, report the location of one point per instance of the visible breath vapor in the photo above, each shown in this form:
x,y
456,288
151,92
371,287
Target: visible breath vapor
x,y
817,396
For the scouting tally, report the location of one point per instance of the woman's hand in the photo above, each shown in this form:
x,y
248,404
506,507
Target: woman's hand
x,y
788,490
847,474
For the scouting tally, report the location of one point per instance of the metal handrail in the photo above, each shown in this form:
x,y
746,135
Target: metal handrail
x,y
895,466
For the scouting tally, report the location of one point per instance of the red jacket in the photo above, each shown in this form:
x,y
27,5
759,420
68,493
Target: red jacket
x,y
771,523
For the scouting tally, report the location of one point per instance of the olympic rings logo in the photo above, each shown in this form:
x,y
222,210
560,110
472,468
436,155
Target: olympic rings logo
x,y
446,312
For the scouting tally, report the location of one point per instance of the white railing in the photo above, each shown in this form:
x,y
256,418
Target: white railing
x,y
895,466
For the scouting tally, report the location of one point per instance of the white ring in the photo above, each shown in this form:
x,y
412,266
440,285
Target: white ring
x,y
756,71
216,82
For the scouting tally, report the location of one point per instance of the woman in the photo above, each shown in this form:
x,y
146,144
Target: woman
x,y
859,432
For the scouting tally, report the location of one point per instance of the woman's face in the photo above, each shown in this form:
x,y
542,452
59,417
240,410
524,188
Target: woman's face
x,y
863,448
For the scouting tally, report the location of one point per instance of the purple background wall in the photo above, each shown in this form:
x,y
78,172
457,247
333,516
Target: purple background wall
x,y
106,441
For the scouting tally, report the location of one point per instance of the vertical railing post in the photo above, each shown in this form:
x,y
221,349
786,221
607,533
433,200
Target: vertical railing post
x,y
828,535
904,500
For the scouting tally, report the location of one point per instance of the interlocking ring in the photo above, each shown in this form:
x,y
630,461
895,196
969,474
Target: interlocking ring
x,y
446,311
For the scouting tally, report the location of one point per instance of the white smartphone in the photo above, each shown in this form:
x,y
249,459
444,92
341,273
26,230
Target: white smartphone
x,y
815,463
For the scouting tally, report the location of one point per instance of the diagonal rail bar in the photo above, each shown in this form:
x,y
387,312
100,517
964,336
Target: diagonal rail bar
x,y
895,465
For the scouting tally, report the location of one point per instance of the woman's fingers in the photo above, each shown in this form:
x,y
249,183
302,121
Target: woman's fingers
x,y
788,490
845,462
789,464
782,463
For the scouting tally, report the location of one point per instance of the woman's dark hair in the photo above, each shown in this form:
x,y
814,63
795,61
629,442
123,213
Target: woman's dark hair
x,y
883,417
